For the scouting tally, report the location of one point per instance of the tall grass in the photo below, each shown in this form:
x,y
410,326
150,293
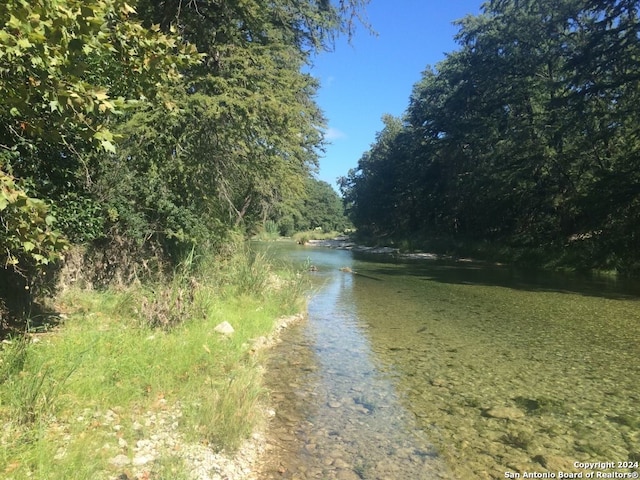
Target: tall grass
x,y
268,232
71,398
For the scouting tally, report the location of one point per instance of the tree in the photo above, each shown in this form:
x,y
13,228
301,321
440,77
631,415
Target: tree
x,y
527,136
320,208
372,187
156,126
61,65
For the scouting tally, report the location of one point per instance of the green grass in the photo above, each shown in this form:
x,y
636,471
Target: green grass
x,y
72,397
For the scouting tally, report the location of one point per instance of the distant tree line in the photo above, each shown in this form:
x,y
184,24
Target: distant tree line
x,y
527,137
143,129
321,208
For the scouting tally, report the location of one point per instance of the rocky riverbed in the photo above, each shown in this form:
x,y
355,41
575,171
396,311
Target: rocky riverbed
x,y
334,426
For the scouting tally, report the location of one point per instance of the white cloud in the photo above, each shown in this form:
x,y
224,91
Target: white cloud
x,y
334,134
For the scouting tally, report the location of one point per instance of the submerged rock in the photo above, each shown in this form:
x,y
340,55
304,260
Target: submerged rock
x,y
554,462
347,474
506,413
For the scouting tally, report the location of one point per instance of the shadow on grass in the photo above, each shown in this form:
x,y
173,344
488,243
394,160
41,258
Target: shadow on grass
x,y
19,310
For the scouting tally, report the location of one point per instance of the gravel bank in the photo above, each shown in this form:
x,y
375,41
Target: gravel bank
x,y
159,438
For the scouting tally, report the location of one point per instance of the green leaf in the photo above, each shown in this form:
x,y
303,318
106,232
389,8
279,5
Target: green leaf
x,y
24,43
40,258
108,146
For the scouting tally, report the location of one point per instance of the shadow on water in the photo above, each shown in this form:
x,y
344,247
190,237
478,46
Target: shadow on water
x,y
482,273
510,369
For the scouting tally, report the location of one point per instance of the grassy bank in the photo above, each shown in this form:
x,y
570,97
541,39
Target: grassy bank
x,y
77,401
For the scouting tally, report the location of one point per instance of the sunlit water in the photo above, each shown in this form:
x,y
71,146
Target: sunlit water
x,y
453,370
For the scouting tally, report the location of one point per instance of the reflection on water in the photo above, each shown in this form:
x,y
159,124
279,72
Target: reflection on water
x,y
431,370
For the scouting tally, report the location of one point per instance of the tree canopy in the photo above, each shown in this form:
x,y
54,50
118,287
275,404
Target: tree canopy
x,y
320,207
66,68
153,127
527,136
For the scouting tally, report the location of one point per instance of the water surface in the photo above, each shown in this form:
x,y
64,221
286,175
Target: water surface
x,y
453,370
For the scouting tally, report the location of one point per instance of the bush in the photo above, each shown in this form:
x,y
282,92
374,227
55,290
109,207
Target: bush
x,y
286,226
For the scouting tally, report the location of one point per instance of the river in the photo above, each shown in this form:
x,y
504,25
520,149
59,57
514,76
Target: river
x,y
454,370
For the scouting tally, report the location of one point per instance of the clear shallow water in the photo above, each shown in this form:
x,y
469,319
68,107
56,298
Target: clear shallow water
x,y
436,370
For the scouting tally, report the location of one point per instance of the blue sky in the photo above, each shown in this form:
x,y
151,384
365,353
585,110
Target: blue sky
x,y
374,75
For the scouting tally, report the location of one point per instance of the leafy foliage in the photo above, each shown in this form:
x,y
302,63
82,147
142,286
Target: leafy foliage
x,y
526,137
59,89
27,227
150,128
65,65
320,208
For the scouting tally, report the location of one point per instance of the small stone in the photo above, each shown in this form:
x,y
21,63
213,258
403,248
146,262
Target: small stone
x,y
554,463
224,328
122,443
142,460
340,463
120,461
347,475
60,454
507,413
439,382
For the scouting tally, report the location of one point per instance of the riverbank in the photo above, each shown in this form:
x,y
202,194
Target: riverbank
x,y
115,392
165,442
481,254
